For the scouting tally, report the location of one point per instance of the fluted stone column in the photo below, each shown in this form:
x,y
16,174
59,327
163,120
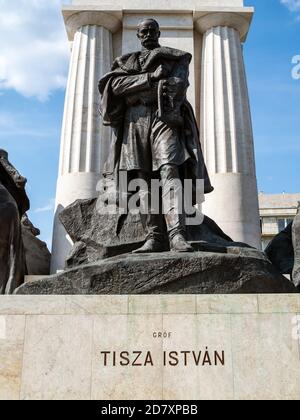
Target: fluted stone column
x,y
84,139
226,128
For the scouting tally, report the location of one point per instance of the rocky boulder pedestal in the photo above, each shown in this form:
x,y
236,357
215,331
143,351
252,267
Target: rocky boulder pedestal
x,y
237,271
101,261
37,255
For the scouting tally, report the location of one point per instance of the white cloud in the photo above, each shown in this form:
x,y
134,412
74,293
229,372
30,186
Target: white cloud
x,y
6,120
292,5
49,207
34,52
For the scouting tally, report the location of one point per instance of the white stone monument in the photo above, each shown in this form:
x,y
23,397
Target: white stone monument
x,y
213,32
50,347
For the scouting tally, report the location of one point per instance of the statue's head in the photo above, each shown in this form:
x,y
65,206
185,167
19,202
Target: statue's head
x,y
148,33
3,154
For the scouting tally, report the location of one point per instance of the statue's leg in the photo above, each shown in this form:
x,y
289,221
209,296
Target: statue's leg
x,y
173,208
152,218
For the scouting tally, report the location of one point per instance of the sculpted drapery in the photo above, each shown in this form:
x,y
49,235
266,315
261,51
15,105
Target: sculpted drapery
x,y
13,204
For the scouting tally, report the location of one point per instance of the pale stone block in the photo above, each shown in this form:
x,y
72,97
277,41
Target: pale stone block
x,y
227,304
265,357
156,4
127,333
117,43
166,21
198,332
96,305
30,279
80,19
57,358
11,356
32,305
232,221
159,304
240,21
279,303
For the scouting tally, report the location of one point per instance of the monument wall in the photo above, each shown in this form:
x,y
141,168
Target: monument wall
x,y
53,347
118,342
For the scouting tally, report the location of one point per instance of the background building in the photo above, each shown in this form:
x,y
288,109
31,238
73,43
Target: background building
x,y
276,212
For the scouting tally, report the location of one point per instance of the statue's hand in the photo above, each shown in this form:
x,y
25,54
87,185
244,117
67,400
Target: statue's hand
x,y
160,73
174,86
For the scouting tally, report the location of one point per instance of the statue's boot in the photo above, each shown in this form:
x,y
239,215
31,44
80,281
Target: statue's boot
x,y
180,244
174,209
151,246
172,203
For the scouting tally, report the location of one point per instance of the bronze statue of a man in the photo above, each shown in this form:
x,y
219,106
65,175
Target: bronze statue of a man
x,y
155,130
13,205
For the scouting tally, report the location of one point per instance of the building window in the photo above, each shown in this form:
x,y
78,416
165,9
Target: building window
x,y
283,223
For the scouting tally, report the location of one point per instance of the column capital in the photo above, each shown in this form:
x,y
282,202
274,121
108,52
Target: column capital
x,y
237,18
78,16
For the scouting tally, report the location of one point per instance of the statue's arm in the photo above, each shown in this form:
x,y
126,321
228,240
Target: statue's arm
x,y
181,70
127,85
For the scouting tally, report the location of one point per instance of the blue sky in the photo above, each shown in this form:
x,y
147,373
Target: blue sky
x,y
34,58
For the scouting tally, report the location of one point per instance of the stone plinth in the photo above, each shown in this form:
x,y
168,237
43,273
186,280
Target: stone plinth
x,y
42,358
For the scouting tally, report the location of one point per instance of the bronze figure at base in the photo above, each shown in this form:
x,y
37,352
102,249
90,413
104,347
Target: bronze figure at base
x,y
13,205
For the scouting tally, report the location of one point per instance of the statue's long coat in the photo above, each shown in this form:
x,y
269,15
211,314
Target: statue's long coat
x,y
113,109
